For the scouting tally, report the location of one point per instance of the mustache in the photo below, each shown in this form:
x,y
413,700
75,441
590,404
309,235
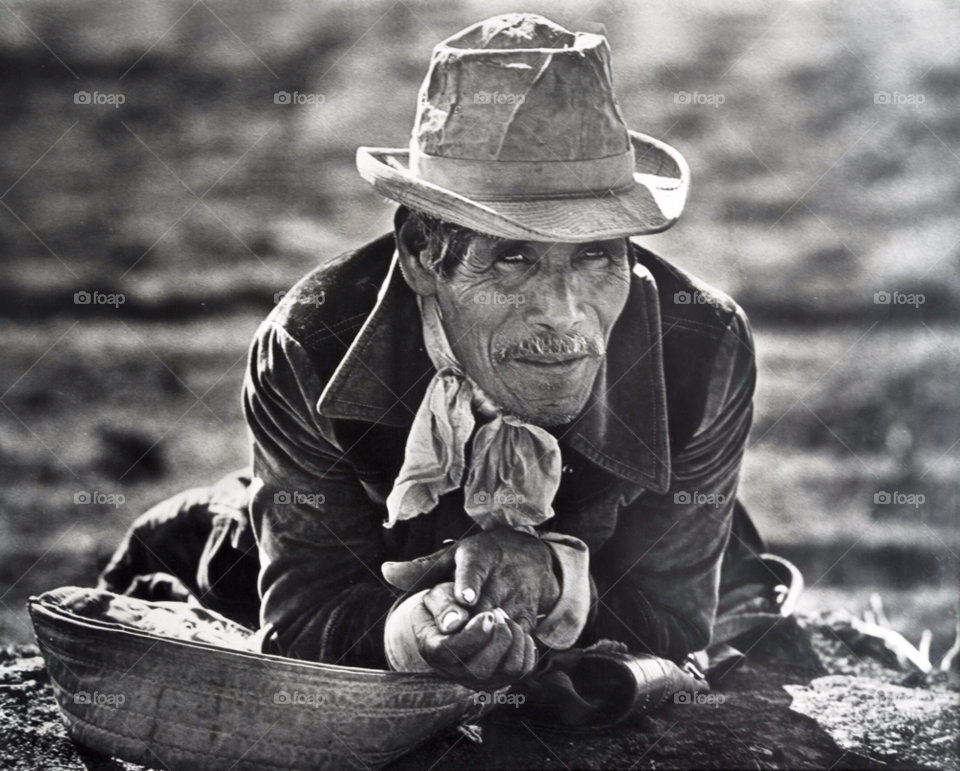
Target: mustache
x,y
591,345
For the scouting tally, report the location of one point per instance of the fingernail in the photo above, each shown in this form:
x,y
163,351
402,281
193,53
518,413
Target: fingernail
x,y
501,616
449,620
487,622
469,594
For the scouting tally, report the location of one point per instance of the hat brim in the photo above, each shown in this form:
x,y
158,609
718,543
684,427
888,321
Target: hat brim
x,y
650,205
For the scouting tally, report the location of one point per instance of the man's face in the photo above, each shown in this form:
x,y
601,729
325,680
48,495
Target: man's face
x,y
530,320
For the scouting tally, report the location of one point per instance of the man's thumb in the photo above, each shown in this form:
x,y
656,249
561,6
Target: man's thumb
x,y
423,572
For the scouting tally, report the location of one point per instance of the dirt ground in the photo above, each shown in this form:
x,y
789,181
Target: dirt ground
x,y
804,699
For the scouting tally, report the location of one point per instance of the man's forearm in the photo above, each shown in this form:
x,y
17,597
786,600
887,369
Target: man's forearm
x,y
346,630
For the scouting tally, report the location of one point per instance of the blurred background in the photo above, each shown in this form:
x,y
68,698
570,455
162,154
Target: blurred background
x,y
828,172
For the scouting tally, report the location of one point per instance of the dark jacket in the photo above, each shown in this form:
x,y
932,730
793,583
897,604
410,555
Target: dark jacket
x,y
335,377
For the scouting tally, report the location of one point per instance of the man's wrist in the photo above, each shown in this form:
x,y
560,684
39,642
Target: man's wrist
x,y
564,623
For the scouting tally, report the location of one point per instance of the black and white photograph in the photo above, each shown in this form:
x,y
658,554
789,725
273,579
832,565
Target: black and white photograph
x,y
442,384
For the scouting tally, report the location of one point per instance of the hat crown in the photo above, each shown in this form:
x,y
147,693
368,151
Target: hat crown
x,y
519,87
512,30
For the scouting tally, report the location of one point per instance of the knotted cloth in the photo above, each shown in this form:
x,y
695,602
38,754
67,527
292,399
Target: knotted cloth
x,y
515,466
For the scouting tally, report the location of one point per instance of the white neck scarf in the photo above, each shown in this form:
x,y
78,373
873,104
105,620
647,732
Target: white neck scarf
x,y
515,466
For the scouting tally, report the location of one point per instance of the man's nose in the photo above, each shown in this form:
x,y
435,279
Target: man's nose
x,y
555,305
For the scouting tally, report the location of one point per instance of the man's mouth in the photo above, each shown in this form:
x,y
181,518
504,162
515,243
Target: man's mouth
x,y
552,359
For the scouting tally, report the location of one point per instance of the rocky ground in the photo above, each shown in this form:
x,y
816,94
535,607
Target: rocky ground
x,y
811,695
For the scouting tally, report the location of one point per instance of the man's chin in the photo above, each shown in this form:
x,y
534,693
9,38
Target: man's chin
x,y
546,416
546,407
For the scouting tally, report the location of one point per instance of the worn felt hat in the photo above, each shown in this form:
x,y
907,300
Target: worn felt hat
x,y
518,134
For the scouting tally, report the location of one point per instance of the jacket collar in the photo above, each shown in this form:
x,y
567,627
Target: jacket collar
x,y
623,429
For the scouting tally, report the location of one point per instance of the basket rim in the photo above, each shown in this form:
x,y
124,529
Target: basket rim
x,y
43,613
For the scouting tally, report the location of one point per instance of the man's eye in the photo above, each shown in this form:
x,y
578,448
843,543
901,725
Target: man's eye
x,y
594,254
512,258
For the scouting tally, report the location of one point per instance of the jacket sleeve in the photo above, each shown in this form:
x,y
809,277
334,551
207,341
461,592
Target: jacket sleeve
x,y
318,533
657,578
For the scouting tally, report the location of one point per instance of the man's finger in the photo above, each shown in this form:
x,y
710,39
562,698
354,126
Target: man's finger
x,y
520,606
423,572
530,655
447,614
517,662
475,560
450,652
487,662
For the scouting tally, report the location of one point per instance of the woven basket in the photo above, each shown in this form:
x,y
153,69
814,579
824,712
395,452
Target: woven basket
x,y
175,704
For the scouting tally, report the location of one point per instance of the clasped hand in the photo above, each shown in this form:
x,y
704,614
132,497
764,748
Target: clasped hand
x,y
477,628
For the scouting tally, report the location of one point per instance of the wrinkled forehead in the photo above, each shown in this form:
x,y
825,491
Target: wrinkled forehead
x,y
481,244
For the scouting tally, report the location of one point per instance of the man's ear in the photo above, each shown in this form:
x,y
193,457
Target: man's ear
x,y
411,244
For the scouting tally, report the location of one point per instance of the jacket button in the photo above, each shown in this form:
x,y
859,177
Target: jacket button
x,y
568,469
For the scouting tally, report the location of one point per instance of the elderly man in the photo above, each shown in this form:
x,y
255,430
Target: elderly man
x,y
508,427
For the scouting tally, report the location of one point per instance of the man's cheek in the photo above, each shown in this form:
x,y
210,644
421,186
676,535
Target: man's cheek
x,y
474,331
608,299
